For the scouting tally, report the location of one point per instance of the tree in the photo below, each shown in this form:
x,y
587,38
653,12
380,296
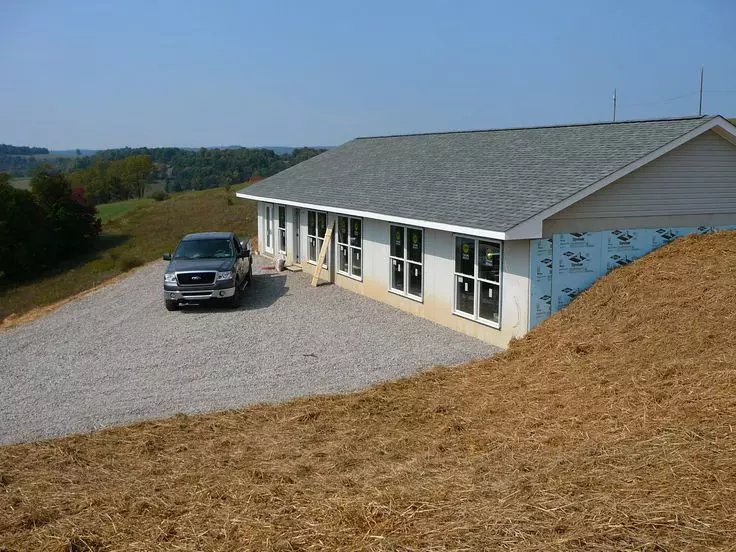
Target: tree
x,y
24,230
73,221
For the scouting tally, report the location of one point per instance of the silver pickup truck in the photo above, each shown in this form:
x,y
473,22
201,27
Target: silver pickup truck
x,y
207,266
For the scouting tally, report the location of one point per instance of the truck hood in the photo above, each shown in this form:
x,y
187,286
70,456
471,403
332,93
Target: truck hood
x,y
185,265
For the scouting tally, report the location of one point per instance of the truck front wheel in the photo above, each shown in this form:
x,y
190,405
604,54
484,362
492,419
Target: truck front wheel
x,y
171,305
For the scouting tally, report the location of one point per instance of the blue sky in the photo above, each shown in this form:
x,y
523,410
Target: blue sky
x,y
94,74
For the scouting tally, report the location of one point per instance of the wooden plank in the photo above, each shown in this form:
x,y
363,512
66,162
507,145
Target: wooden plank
x,y
323,253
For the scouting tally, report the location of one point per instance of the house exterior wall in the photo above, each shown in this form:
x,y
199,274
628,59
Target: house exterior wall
x,y
696,180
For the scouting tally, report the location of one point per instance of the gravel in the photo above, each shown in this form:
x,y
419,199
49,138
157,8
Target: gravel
x,y
117,355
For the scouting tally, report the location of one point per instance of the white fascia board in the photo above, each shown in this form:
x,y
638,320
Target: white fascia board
x,y
532,227
478,232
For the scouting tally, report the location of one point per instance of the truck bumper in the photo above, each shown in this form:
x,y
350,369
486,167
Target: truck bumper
x,y
198,295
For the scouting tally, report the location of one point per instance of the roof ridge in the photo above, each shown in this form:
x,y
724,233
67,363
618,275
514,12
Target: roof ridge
x,y
568,125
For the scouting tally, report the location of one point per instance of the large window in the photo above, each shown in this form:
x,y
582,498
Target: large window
x,y
349,246
316,228
282,229
406,260
478,279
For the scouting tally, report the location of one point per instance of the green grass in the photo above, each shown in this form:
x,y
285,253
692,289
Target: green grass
x,y
111,211
142,235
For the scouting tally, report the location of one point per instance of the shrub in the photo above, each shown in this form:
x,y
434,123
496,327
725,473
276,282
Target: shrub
x,y
129,262
230,200
159,195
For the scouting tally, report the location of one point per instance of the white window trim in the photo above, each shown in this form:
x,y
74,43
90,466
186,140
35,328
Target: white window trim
x,y
476,287
349,273
315,235
280,228
406,261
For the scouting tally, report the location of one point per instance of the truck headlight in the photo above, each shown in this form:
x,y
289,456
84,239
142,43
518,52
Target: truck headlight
x,y
169,278
225,275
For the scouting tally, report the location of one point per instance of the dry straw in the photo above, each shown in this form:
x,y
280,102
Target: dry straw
x,y
612,426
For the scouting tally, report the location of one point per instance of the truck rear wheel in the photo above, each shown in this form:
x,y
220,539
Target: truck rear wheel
x,y
171,305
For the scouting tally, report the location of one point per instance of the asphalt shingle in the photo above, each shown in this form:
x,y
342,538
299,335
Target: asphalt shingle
x,y
491,180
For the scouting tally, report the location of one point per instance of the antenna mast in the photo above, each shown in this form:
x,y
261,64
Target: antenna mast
x,y
614,105
700,106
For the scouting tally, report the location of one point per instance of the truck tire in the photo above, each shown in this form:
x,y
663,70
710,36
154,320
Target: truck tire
x,y
171,305
234,301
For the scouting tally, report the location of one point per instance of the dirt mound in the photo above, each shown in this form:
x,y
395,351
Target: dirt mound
x,y
611,426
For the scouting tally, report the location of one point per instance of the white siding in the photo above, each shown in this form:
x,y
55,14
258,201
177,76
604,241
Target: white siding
x,y
697,178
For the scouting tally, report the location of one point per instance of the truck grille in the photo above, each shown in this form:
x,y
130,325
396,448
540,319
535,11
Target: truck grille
x,y
195,278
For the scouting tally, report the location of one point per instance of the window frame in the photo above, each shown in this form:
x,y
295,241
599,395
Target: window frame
x,y
406,261
475,317
268,229
349,273
316,236
281,229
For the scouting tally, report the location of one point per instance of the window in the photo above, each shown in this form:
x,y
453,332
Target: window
x,y
478,279
316,228
349,246
282,229
204,249
268,223
406,261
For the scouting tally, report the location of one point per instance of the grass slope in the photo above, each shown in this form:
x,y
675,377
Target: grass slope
x,y
611,426
111,211
138,236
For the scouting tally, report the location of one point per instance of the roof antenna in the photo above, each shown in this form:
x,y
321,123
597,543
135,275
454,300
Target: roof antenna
x,y
614,105
700,107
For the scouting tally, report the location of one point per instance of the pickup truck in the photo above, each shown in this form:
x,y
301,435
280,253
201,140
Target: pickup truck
x,y
207,266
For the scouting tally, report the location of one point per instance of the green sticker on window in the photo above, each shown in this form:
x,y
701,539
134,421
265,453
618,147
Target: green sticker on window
x,y
489,255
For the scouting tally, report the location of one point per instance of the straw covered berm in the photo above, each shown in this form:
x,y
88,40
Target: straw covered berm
x,y
611,426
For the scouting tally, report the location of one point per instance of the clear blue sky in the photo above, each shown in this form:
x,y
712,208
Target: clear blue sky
x,y
98,74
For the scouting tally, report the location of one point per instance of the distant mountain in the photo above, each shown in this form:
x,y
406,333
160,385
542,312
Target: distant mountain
x,y
73,152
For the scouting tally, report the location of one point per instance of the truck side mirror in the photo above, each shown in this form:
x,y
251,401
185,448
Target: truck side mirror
x,y
244,245
167,256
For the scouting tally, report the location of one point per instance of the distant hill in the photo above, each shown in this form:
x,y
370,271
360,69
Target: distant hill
x,y
73,152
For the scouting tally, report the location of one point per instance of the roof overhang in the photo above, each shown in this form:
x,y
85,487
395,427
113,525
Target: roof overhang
x,y
479,232
532,227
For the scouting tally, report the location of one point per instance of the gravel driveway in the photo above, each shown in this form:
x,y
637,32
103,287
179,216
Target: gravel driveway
x,y
117,355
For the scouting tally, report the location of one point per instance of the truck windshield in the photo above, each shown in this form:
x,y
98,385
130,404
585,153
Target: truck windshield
x,y
204,249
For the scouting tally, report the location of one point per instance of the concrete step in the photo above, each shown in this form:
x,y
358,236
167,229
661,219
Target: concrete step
x,y
294,268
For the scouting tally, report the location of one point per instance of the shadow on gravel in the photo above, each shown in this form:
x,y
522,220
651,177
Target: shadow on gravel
x,y
263,292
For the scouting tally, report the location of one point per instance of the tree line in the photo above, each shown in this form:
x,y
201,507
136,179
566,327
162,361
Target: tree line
x,y
182,169
115,180
118,174
7,149
44,225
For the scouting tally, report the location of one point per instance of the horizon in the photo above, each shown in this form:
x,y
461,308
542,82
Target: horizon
x,y
326,73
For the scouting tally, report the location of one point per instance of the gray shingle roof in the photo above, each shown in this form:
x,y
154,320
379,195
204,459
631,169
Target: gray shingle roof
x,y
490,180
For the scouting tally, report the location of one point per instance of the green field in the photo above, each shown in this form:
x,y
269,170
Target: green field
x,y
111,211
142,235
21,182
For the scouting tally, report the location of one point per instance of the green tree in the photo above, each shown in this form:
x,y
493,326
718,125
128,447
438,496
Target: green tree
x,y
24,230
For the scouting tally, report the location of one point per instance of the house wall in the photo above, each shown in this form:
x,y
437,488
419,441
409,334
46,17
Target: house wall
x,y
438,276
692,185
